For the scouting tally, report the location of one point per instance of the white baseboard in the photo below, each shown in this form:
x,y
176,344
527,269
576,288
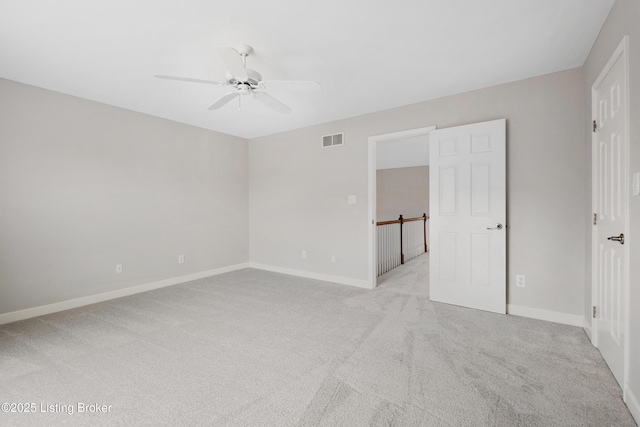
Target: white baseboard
x,y
587,329
310,275
28,313
548,315
632,403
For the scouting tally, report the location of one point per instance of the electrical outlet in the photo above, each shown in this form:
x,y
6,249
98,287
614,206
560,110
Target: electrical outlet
x,y
303,254
520,280
180,259
351,200
118,268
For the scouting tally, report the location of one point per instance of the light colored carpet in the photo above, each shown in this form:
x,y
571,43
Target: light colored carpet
x,y
253,348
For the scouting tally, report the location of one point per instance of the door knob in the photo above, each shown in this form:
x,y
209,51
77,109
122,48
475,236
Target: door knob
x,y
497,227
619,238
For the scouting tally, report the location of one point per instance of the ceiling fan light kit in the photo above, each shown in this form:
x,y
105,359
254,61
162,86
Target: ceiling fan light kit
x,y
246,81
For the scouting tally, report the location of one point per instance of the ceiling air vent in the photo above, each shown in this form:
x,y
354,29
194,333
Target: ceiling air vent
x,y
333,140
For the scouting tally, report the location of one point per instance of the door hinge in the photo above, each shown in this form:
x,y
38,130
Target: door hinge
x,y
595,126
595,219
594,311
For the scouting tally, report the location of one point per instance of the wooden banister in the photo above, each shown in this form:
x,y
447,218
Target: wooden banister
x,y
424,217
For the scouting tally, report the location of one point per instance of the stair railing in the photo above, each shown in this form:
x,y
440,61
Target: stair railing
x,y
400,240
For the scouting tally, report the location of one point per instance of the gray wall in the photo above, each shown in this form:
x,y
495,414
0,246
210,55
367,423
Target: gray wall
x,y
84,186
623,19
298,191
402,191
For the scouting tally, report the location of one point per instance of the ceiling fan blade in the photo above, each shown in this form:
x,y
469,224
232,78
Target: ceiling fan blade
x,y
189,79
291,85
223,101
272,102
233,61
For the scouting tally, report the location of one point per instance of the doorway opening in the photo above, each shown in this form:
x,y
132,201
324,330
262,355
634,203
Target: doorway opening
x,y
405,149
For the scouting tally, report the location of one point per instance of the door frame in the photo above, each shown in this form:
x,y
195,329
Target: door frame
x,y
373,143
622,51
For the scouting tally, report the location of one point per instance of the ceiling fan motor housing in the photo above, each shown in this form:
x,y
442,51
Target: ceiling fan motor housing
x,y
243,88
254,79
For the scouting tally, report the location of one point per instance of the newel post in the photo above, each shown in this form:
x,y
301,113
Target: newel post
x,y
401,219
424,231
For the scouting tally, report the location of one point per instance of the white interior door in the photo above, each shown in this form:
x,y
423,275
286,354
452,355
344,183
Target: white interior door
x,y
610,206
467,221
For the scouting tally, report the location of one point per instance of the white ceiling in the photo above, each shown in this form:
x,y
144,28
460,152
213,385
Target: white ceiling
x,y
367,55
403,152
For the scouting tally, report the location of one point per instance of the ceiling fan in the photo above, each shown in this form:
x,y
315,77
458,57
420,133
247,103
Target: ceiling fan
x,y
245,81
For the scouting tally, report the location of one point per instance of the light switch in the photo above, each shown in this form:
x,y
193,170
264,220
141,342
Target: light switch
x,y
635,184
352,200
